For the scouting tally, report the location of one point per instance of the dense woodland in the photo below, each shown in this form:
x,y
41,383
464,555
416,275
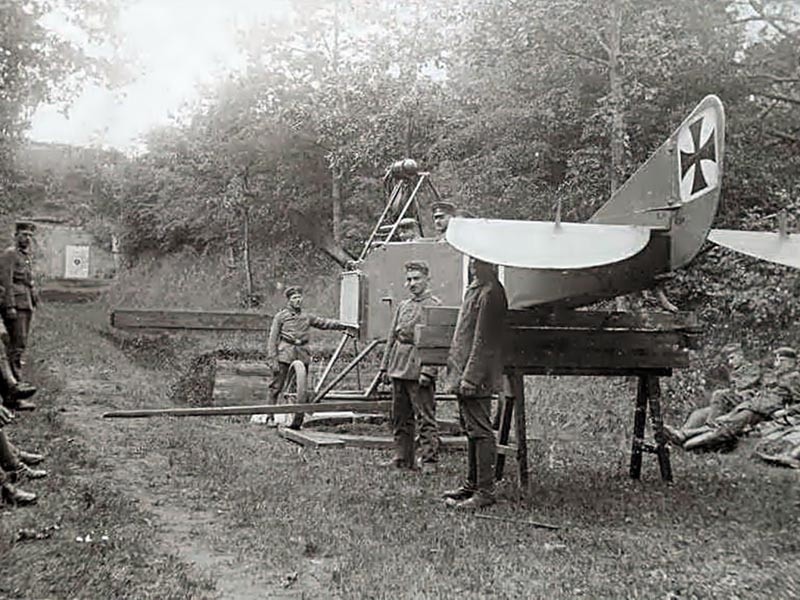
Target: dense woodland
x,y
511,104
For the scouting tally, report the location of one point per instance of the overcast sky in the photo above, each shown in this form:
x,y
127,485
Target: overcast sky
x,y
174,45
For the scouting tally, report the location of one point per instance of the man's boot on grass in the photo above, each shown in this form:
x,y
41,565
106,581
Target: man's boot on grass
x,y
485,457
27,472
15,496
469,486
30,458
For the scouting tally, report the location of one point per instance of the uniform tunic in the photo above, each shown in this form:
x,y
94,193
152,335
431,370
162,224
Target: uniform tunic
x,y
18,292
289,334
401,359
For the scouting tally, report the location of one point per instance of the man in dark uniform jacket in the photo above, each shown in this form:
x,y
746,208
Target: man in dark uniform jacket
x,y
19,295
289,336
474,372
413,386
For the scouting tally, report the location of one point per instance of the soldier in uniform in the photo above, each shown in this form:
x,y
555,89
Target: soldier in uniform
x,y
413,386
442,213
19,295
779,389
744,378
289,336
407,230
474,372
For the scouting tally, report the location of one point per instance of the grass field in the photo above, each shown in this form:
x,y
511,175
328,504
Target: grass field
x,y
206,508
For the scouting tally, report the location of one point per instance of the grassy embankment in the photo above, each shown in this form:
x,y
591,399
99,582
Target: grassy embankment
x,y
331,523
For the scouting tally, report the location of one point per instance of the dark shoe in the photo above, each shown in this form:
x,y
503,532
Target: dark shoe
x,y
29,458
25,471
15,496
22,390
478,501
459,494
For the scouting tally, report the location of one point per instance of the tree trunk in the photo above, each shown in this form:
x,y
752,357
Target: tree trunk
x,y
336,203
248,268
617,137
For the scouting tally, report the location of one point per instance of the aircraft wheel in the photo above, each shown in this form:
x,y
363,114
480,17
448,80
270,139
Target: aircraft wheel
x,y
296,381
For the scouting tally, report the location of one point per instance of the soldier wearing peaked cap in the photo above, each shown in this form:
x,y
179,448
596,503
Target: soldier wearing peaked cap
x,y
413,386
19,296
289,336
407,230
442,213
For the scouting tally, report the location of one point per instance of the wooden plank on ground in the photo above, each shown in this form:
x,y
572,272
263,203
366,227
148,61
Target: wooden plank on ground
x,y
385,442
309,439
127,318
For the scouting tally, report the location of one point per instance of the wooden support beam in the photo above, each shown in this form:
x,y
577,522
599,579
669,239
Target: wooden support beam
x,y
309,440
126,318
579,319
350,440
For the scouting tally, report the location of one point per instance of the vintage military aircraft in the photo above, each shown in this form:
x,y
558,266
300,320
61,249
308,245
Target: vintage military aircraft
x,y
655,223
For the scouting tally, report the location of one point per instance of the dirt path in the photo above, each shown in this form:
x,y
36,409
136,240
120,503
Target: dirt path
x,y
195,534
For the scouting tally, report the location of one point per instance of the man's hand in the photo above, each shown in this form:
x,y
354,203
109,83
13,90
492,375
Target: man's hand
x,y
425,380
350,330
385,379
11,313
467,389
6,416
274,366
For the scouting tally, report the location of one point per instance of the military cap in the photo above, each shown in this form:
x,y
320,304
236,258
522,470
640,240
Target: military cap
x,y
444,208
407,222
418,265
732,347
292,290
786,351
28,226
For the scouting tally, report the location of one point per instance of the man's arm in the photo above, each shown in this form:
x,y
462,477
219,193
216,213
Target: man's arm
x,y
477,366
390,339
274,336
748,377
323,323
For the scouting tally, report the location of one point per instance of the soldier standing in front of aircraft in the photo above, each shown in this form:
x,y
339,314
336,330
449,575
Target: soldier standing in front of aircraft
x,y
413,386
474,371
289,337
19,294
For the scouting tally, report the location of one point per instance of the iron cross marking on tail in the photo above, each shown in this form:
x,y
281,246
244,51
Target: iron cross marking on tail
x,y
707,151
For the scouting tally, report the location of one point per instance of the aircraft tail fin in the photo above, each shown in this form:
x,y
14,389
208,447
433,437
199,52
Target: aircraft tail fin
x,y
678,188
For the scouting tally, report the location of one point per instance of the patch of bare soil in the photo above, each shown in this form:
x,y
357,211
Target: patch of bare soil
x,y
192,531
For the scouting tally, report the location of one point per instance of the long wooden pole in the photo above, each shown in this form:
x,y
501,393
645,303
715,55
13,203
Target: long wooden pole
x,y
256,409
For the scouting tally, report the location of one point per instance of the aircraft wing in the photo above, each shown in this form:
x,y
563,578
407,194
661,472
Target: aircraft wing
x,y
773,247
545,245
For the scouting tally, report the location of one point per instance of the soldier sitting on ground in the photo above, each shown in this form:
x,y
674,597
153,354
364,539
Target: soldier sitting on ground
x,y
779,389
743,379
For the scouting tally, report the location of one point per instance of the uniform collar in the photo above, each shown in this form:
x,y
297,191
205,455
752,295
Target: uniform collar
x,y
423,296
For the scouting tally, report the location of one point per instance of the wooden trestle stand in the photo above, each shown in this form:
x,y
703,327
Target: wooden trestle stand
x,y
577,342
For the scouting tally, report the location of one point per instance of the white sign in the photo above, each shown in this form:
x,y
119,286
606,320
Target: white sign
x,y
76,262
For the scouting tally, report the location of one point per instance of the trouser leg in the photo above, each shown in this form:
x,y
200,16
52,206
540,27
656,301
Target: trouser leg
x,y
477,417
18,339
403,420
424,403
276,384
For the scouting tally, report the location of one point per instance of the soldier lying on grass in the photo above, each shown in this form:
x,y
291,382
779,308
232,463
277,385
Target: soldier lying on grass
x,y
778,390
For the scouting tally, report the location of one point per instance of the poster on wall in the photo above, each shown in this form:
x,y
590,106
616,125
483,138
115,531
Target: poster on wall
x,y
76,262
